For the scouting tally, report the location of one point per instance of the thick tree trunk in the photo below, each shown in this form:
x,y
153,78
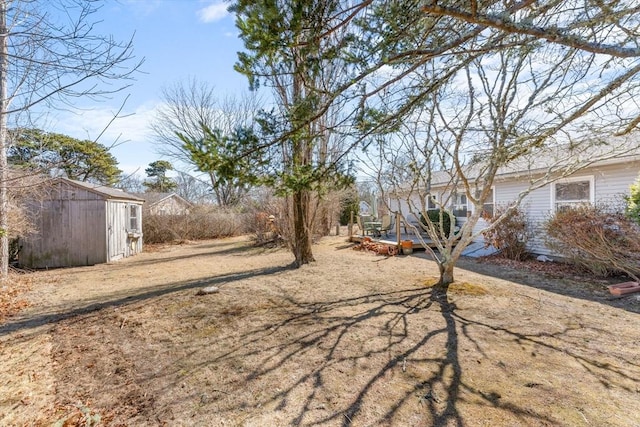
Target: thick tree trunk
x,y
302,237
4,225
325,221
446,274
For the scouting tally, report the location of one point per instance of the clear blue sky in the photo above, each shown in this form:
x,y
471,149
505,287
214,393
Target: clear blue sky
x,y
178,39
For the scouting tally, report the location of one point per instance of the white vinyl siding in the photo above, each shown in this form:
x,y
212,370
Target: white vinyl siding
x,y
607,186
536,205
612,183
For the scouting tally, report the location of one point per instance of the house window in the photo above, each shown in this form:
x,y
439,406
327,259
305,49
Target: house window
x,y
134,214
572,193
460,205
487,206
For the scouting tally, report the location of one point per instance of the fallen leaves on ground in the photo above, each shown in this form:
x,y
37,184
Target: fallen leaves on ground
x,y
10,295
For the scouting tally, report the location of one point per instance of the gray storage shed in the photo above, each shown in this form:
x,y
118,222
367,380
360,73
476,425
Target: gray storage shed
x,y
80,223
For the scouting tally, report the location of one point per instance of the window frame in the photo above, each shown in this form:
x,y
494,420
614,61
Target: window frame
x,y
433,199
569,180
455,204
130,217
492,203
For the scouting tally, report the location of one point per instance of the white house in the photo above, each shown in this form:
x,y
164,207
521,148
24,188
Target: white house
x,y
165,203
604,181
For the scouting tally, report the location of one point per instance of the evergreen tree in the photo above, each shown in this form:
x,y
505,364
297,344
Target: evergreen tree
x,y
160,182
294,48
633,202
46,152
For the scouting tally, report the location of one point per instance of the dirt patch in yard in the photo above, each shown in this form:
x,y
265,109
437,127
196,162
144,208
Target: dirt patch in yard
x,y
353,339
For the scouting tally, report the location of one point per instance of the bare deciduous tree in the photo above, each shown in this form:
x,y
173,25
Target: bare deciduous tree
x,y
193,189
188,110
507,111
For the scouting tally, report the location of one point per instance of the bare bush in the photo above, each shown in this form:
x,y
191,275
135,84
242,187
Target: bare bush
x,y
20,220
203,222
510,235
328,211
264,218
602,242
263,227
24,191
267,218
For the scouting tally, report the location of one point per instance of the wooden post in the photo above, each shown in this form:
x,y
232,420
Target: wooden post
x,y
350,227
338,229
398,230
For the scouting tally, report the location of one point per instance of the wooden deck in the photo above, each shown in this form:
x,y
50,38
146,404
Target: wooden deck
x,y
392,239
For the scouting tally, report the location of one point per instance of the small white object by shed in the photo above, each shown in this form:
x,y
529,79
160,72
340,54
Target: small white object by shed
x,y
80,223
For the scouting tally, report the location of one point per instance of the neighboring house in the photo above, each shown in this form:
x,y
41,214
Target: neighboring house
x,y
80,223
603,182
165,204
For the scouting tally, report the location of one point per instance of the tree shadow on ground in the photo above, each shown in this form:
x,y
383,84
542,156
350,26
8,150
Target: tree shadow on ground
x,y
396,354
582,287
202,251
394,357
57,314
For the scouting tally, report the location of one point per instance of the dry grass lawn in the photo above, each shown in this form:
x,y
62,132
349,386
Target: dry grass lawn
x,y
352,340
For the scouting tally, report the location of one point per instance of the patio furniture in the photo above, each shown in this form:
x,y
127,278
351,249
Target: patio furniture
x,y
373,227
386,224
365,224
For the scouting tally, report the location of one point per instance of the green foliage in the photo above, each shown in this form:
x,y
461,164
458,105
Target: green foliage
x,y
441,219
349,204
633,202
158,168
162,182
286,50
233,161
80,160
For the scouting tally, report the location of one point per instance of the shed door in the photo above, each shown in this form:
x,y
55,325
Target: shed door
x,y
116,230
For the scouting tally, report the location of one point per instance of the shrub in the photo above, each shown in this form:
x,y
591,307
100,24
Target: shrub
x,y
600,241
263,226
265,218
349,204
509,234
204,222
439,218
633,202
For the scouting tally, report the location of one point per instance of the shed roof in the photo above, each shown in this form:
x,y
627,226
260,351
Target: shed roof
x,y
107,192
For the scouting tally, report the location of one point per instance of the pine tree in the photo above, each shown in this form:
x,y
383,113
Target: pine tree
x,y
160,182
